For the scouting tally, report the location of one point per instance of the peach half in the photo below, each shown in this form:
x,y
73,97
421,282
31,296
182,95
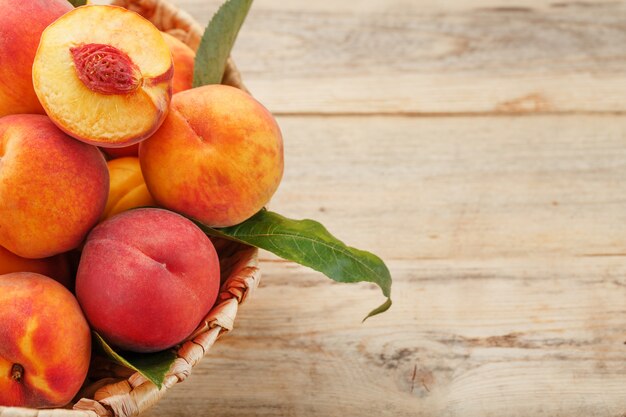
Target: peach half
x,y
52,188
226,150
147,278
183,58
127,188
21,24
45,342
103,75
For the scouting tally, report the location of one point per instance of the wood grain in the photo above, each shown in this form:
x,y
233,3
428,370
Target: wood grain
x,y
463,339
464,187
425,57
506,240
505,235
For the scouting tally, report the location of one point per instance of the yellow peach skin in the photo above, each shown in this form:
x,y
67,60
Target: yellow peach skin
x,y
103,75
127,188
183,58
21,24
45,342
53,188
226,151
56,267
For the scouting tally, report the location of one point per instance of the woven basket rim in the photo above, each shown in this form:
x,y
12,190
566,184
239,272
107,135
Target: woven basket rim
x,y
125,393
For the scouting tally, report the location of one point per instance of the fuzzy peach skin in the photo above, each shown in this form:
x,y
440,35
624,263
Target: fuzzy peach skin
x,y
183,58
45,342
21,24
146,279
103,74
52,188
56,267
226,150
127,188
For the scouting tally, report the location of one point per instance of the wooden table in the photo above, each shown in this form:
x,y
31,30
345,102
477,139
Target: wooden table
x,y
479,147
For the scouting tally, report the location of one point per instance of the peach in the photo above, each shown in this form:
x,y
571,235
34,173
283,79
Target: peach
x,y
226,150
45,342
52,188
146,279
183,58
127,188
103,75
21,24
56,267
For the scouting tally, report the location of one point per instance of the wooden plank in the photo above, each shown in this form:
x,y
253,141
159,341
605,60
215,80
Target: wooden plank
x,y
475,338
506,238
424,57
464,187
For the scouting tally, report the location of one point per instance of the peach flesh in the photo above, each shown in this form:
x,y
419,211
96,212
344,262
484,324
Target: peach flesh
x,y
103,75
183,58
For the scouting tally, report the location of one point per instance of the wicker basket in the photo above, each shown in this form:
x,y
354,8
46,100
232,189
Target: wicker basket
x,y
112,390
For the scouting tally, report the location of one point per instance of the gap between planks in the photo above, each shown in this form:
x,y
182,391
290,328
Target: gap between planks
x,y
449,114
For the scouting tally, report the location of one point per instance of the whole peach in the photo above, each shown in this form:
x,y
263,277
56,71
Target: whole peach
x,y
21,25
56,267
127,188
146,279
45,342
226,150
183,58
52,188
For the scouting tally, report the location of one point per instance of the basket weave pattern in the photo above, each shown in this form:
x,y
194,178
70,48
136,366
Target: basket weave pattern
x,y
115,391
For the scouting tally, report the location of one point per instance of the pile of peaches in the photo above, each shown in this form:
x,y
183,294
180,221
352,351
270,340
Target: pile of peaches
x,y
80,87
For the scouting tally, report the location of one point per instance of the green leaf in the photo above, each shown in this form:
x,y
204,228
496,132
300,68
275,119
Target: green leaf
x,y
308,243
78,3
217,42
153,366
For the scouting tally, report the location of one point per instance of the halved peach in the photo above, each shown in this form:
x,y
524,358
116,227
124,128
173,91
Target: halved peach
x,y
103,75
183,58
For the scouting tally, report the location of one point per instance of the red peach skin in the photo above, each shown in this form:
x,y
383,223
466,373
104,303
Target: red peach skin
x,y
21,24
53,188
45,342
146,279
